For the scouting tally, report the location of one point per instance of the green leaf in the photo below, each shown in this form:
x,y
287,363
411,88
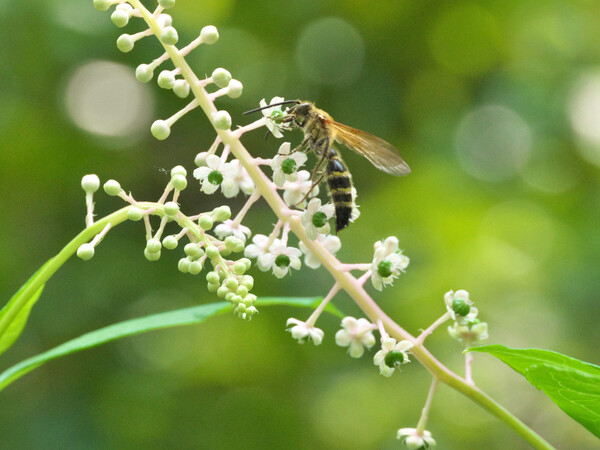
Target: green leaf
x,y
180,317
16,312
572,384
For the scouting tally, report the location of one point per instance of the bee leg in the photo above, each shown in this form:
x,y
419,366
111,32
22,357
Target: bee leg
x,y
315,183
301,146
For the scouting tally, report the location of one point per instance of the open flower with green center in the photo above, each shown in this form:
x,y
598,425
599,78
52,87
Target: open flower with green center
x,y
388,262
316,218
460,307
212,175
280,259
285,165
274,116
356,334
259,247
235,179
391,355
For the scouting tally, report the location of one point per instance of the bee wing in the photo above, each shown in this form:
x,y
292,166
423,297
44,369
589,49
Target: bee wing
x,y
382,154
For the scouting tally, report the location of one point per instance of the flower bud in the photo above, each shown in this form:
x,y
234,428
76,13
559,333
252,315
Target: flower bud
x,y
209,34
235,89
120,18
112,187
179,182
171,209
144,73
85,251
135,213
183,265
170,242
205,222
153,246
166,4
181,88
160,129
195,267
221,120
102,5
151,256
169,36
221,77
125,43
90,183
166,79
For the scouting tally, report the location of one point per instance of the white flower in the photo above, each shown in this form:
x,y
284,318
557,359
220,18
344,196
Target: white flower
x,y
470,333
235,178
304,332
356,334
295,191
355,211
272,115
230,228
391,355
213,174
459,306
285,165
316,218
257,249
330,242
388,262
415,440
280,258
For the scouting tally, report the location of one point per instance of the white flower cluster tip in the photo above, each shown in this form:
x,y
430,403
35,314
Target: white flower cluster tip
x,y
467,327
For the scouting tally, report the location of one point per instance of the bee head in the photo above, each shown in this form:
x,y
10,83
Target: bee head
x,y
299,113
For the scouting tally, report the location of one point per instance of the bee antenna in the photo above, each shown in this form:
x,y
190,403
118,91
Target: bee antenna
x,y
287,102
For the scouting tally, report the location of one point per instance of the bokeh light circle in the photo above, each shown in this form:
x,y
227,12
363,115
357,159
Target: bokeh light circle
x,y
493,143
104,99
584,114
330,51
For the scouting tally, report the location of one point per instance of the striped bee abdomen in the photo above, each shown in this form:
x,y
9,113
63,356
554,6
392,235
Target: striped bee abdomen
x,y
339,182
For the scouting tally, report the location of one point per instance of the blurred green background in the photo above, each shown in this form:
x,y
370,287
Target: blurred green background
x,y
494,105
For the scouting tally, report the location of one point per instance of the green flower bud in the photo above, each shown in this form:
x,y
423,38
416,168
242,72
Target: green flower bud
x,y
222,292
242,291
213,278
166,79
193,250
213,287
183,265
195,267
221,120
125,43
160,129
239,268
112,187
153,246
85,251
225,252
221,77
169,36
151,256
212,252
231,283
179,182
248,281
181,88
178,170
120,18
222,213
135,213
144,73
171,209
205,222
90,183
209,35
235,89
170,242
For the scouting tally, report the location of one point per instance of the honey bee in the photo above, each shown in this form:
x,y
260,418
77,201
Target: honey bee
x,y
320,133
